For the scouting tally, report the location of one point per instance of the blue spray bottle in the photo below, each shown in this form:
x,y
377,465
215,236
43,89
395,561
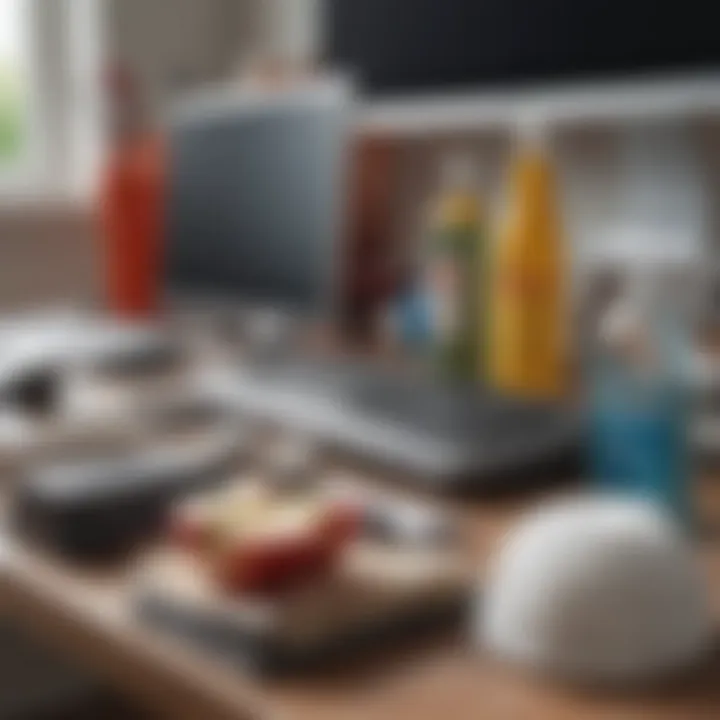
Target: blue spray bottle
x,y
639,400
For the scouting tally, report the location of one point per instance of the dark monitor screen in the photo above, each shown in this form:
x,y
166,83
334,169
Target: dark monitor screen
x,y
424,45
256,193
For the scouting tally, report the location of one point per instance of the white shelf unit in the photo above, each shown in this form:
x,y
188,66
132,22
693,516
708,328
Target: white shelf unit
x,y
664,196
617,102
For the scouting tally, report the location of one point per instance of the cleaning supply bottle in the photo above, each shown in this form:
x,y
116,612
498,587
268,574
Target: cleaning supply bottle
x,y
454,265
527,316
131,204
639,397
410,319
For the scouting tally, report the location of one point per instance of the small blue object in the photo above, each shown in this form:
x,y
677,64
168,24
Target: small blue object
x,y
639,445
639,414
412,312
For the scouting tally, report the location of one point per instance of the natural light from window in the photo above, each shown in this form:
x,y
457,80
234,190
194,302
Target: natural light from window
x,y
13,81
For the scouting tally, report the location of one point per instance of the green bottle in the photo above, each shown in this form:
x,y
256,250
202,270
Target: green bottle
x,y
454,268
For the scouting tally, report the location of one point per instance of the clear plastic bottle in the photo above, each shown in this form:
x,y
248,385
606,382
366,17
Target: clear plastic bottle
x,y
639,401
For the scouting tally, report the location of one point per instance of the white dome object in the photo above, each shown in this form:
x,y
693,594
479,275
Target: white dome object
x,y
597,590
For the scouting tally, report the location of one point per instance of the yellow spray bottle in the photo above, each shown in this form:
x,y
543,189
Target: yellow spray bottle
x,y
527,308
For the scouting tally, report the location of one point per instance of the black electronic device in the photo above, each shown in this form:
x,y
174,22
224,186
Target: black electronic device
x,y
256,197
410,46
33,389
94,510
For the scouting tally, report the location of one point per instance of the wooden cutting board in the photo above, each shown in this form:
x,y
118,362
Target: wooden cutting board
x,y
376,594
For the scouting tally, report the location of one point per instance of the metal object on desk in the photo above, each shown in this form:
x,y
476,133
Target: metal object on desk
x,y
445,438
402,524
292,462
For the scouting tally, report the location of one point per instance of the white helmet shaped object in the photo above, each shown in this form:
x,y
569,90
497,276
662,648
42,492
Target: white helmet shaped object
x,y
598,590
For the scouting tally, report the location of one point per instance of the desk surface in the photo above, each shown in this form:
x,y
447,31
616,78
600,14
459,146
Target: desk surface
x,y
83,614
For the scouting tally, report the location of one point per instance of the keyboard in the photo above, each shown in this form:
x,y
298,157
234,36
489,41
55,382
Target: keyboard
x,y
415,423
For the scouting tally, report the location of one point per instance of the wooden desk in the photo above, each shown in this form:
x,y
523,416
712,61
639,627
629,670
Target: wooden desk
x,y
84,615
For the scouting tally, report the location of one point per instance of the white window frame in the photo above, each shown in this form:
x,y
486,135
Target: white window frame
x,y
16,172
64,104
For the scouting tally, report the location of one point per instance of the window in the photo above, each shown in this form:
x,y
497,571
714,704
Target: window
x,y
13,82
50,120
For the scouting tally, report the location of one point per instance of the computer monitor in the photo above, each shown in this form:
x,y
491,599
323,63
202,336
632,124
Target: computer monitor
x,y
256,199
257,189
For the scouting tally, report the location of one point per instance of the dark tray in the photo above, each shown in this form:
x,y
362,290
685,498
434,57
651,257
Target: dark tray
x,y
266,656
97,510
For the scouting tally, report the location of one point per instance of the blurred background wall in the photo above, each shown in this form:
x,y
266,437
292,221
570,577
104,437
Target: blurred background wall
x,y
173,45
